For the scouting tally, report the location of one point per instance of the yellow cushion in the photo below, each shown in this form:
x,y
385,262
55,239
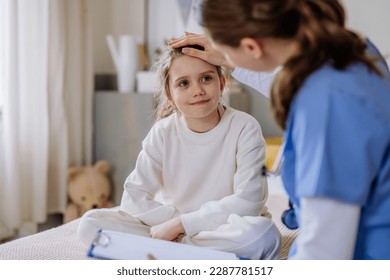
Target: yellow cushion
x,y
272,149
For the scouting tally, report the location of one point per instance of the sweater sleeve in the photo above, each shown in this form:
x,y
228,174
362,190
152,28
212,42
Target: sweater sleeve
x,y
322,236
144,182
250,188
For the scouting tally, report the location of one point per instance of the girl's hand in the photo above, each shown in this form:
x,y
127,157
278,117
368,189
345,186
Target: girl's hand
x,y
168,230
210,53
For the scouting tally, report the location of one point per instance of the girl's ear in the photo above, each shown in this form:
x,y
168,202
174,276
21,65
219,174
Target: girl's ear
x,y
222,83
252,47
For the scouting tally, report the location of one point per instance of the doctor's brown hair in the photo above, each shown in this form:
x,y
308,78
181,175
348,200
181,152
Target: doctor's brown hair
x,y
318,27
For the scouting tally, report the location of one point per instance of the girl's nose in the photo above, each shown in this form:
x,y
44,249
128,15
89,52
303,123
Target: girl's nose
x,y
198,90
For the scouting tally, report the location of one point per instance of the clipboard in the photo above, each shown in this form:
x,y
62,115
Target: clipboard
x,y
114,245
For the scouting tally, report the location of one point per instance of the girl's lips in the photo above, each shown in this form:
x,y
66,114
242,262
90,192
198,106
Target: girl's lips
x,y
200,102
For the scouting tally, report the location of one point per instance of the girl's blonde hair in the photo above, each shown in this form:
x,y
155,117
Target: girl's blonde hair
x,y
162,95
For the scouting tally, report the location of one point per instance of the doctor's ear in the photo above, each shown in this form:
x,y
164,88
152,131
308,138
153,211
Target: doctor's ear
x,y
252,47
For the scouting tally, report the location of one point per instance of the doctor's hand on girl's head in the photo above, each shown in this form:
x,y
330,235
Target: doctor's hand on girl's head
x,y
210,53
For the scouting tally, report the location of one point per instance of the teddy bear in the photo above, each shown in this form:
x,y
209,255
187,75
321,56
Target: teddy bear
x,y
89,187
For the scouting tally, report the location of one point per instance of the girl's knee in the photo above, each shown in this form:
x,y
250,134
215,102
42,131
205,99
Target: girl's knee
x,y
89,225
274,240
261,240
85,232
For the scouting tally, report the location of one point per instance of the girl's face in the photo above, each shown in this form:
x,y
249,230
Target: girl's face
x,y
196,90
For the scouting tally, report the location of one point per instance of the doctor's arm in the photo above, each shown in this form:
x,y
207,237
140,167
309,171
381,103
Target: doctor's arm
x,y
328,229
260,81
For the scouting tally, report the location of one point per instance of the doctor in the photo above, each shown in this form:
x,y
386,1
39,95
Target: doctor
x,y
333,102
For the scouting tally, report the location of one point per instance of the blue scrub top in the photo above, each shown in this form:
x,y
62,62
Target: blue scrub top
x,y
337,146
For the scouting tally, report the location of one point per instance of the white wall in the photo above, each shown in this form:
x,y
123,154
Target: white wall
x,y
115,17
119,17
165,22
372,19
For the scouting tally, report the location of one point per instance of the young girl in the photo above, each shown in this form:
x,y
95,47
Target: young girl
x,y
198,177
333,103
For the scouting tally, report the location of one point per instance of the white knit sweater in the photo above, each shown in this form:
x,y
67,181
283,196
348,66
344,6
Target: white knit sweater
x,y
204,177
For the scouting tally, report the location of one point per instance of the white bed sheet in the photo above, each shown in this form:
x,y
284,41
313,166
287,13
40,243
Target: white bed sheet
x,y
62,243
59,243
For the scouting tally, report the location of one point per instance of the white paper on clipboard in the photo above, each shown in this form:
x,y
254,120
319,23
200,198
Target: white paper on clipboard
x,y
115,245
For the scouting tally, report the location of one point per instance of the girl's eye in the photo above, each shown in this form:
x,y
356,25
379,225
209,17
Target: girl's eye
x,y
183,84
206,78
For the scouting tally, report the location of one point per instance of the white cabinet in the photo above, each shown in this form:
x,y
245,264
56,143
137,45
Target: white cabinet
x,y
121,122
